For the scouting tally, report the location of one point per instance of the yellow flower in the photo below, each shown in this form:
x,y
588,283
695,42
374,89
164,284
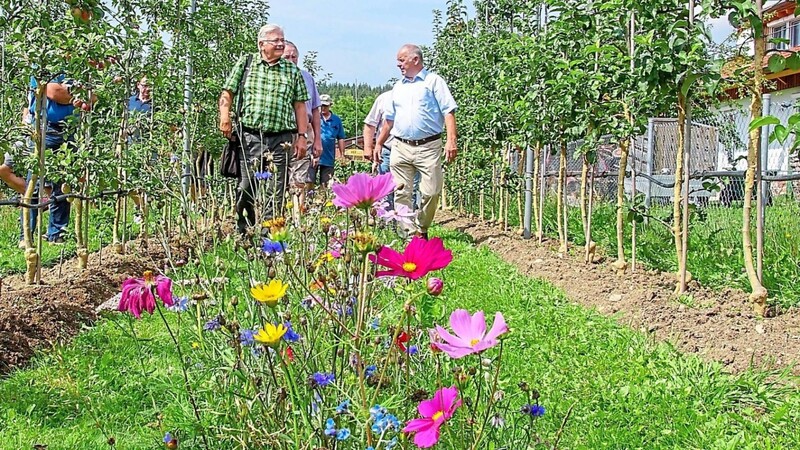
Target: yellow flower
x,y
325,257
329,203
195,345
270,335
325,220
269,294
289,205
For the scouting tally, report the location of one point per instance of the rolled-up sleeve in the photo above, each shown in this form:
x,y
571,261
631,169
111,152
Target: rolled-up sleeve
x,y
232,82
389,110
374,116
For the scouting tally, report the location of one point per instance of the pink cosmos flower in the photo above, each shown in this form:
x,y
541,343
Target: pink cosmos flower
x,y
400,213
434,412
471,336
137,294
418,259
362,190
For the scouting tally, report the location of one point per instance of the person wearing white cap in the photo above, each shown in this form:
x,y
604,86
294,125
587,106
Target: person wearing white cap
x,y
332,132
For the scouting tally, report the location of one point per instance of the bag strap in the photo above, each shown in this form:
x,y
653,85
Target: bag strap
x,y
239,88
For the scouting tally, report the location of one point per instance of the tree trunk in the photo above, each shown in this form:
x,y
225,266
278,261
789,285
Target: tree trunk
x,y
758,296
561,207
620,265
677,222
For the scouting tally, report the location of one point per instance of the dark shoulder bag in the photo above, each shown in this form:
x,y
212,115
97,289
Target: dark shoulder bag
x,y
229,162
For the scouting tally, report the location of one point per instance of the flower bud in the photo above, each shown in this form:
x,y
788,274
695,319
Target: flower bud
x,y
234,301
435,286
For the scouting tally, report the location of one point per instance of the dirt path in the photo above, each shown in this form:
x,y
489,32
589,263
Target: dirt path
x,y
36,317
717,325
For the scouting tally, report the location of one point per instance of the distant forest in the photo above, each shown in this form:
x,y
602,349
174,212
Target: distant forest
x,y
338,90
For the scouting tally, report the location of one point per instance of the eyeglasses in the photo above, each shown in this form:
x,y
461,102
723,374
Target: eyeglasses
x,y
274,41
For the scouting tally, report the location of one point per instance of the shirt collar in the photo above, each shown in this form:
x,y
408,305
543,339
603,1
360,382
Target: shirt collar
x,y
420,76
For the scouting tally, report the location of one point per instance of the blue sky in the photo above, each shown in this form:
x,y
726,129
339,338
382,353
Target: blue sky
x,y
359,39
356,39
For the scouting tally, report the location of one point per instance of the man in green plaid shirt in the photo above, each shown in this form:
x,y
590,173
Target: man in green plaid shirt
x,y
273,112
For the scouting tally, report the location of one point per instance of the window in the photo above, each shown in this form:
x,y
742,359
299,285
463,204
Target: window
x,y
794,31
778,32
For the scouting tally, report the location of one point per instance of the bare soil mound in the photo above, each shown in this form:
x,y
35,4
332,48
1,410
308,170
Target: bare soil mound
x,y
40,316
717,325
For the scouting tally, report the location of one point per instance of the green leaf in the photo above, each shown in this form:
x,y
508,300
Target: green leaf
x,y
763,121
793,61
776,63
795,118
780,133
687,83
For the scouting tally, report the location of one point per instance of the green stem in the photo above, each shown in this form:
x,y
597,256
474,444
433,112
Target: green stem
x,y
185,377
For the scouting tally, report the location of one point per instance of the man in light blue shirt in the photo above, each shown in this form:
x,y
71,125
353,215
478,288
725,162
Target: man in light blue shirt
x,y
421,108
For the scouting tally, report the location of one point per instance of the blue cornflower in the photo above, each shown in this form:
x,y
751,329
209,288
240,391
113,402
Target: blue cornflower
x,y
370,370
246,337
412,350
342,434
375,324
290,335
179,304
271,247
263,176
391,444
213,324
330,427
535,410
322,379
343,407
167,438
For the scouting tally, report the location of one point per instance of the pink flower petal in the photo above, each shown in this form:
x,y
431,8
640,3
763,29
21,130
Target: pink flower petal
x,y
461,323
415,425
455,352
455,341
428,408
498,327
478,326
428,437
164,289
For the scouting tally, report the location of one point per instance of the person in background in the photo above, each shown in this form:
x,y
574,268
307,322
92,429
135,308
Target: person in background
x,y
273,115
301,172
61,105
373,124
140,111
332,132
421,108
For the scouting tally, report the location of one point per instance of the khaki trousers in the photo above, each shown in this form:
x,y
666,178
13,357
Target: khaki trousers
x,y
427,160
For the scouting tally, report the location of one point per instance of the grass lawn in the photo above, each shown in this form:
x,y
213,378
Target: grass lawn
x,y
625,390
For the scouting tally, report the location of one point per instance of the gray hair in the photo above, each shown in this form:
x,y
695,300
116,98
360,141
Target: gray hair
x,y
414,50
268,29
292,44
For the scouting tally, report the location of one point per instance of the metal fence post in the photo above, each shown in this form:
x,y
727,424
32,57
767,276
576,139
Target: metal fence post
x,y
651,145
526,226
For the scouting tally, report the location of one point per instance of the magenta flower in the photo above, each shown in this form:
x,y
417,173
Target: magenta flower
x,y
418,259
137,294
471,336
362,190
434,412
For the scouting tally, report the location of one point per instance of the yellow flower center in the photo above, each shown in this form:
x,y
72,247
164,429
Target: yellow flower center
x,y
474,342
437,416
409,267
148,276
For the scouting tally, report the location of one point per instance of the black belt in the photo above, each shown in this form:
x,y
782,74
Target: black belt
x,y
267,133
418,142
